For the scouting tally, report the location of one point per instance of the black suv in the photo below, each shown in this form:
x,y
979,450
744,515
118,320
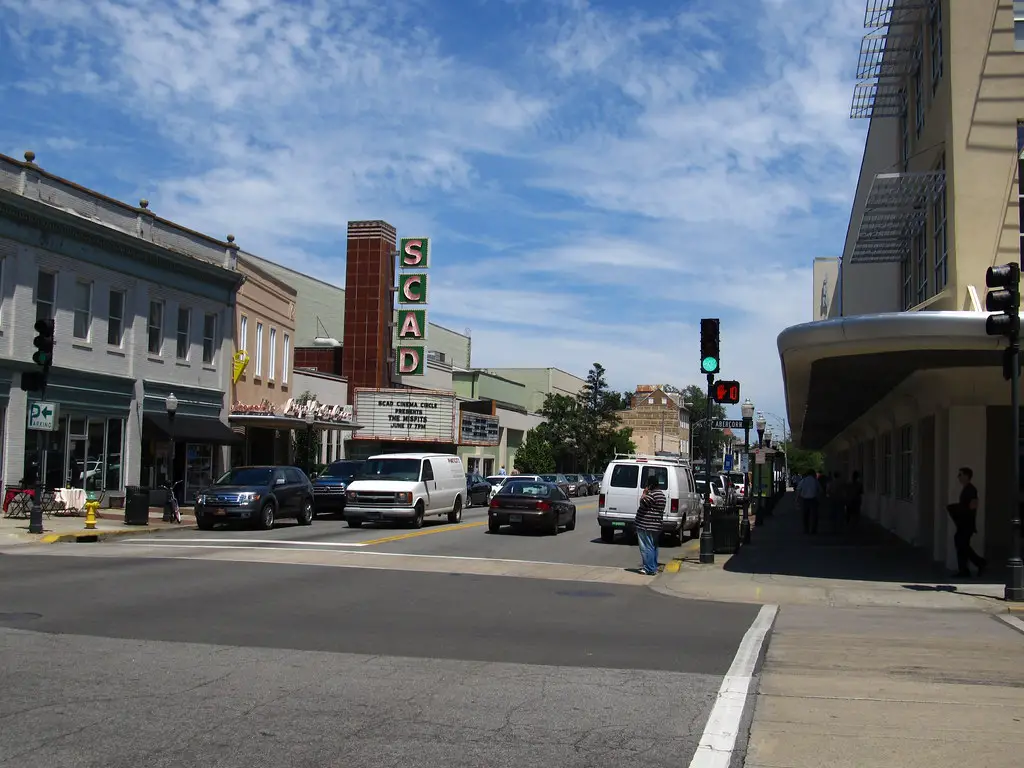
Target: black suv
x,y
258,495
329,486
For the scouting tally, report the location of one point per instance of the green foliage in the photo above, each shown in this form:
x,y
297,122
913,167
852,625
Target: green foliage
x,y
534,456
581,432
698,406
801,460
306,442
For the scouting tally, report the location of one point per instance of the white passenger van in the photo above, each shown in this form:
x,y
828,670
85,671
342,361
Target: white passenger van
x,y
407,487
625,478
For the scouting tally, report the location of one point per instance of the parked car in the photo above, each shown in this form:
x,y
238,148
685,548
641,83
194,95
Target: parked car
x,y
558,479
497,481
260,495
578,485
595,483
623,482
718,500
407,487
478,490
532,503
329,486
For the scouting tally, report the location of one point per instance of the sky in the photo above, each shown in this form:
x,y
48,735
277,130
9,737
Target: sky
x,y
594,177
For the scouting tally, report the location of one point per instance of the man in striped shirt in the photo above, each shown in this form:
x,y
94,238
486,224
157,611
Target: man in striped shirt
x,y
649,518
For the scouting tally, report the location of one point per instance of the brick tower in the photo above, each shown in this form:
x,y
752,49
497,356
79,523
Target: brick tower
x,y
369,305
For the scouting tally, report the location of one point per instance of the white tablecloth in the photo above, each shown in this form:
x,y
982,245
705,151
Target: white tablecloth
x,y
73,498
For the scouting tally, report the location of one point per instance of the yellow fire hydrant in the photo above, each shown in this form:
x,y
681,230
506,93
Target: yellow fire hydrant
x,y
90,514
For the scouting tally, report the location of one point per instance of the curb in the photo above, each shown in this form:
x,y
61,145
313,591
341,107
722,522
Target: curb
x,y
86,536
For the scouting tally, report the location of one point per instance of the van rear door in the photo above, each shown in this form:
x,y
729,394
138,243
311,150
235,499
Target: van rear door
x,y
622,495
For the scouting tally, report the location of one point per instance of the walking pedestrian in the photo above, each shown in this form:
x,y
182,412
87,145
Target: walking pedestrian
x,y
809,493
965,519
649,518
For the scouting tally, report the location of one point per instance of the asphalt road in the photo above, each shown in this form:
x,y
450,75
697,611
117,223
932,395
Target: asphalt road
x,y
437,539
113,661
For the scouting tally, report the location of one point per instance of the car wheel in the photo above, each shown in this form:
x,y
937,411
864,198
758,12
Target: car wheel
x,y
571,526
306,515
493,526
353,523
204,524
469,500
553,525
417,521
265,520
455,516
607,534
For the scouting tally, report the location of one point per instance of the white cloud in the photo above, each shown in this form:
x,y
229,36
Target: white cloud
x,y
593,189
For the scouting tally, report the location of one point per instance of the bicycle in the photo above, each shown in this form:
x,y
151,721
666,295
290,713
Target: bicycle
x,y
174,516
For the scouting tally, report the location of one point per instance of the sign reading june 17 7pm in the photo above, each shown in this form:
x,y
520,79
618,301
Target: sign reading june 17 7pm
x,y
410,349
405,414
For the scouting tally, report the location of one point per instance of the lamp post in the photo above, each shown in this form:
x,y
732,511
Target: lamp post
x,y
759,424
310,418
171,404
747,409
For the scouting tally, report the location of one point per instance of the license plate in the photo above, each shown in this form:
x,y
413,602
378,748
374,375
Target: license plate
x,y
220,511
515,518
618,525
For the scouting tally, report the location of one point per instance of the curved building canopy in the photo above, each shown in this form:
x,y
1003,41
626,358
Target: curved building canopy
x,y
834,371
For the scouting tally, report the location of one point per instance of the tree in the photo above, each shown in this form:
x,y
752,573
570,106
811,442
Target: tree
x,y
306,442
564,429
697,398
801,460
534,456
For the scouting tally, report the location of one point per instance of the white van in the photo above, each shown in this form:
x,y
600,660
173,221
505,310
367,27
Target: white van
x,y
407,487
623,482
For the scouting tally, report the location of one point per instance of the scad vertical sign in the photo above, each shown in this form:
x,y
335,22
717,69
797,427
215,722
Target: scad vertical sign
x,y
410,346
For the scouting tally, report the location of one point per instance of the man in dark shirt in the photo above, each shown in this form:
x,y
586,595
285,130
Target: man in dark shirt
x,y
965,520
649,519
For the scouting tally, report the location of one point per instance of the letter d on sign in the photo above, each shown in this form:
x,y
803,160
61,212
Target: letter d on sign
x,y
415,252
410,361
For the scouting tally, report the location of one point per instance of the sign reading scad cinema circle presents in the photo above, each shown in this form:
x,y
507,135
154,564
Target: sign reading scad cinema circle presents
x,y
415,415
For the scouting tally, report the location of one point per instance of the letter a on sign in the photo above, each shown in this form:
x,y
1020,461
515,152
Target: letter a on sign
x,y
412,324
410,361
415,252
412,289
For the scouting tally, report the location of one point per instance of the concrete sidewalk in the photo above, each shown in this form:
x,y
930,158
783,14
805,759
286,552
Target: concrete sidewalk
x,y
867,687
109,523
864,567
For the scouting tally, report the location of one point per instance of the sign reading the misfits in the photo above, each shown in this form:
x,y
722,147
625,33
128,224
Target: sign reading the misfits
x,y
410,350
477,429
405,414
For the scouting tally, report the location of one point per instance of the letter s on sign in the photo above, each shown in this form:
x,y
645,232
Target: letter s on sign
x,y
412,254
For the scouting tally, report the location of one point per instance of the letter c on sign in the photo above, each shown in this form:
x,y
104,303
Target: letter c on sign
x,y
413,254
412,289
410,361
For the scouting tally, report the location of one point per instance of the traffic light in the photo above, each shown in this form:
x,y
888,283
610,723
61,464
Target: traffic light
x,y
1004,297
726,392
709,362
35,381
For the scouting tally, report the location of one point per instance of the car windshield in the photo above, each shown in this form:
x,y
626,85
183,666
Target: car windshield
x,y
549,478
539,490
703,486
496,479
246,476
736,477
345,469
391,469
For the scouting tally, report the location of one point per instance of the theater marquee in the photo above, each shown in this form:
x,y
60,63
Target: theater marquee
x,y
405,414
411,296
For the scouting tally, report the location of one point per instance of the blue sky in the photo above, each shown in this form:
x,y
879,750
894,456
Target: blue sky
x,y
595,177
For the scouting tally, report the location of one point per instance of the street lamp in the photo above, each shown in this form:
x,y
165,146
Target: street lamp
x,y
759,424
171,404
310,418
747,409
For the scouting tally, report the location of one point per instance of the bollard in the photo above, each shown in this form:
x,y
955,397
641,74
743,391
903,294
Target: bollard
x,y
90,514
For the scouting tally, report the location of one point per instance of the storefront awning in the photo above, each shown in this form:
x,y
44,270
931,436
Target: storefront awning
x,y
273,421
835,371
895,211
192,429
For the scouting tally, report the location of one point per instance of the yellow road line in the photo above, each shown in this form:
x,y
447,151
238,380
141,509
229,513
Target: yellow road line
x,y
426,532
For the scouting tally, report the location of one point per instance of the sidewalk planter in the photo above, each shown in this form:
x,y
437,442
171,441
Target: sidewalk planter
x,y
725,530
136,506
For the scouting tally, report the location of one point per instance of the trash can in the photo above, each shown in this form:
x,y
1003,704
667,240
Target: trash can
x,y
136,505
725,530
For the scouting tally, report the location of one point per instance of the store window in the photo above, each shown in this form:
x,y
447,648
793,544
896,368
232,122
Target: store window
x,y
941,245
259,350
209,337
115,319
921,265
885,481
83,309
155,327
84,453
46,294
286,361
273,354
184,331
905,466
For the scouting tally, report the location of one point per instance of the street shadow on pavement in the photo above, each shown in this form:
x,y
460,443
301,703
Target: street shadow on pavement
x,y
863,551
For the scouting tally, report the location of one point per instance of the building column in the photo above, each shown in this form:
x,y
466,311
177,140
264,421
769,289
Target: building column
x,y
14,432
133,437
503,449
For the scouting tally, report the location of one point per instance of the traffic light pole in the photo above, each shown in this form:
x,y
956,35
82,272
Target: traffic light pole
x,y
707,539
1014,589
35,520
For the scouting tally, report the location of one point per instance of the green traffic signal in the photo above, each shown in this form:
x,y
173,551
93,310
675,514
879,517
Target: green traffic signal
x,y
709,364
42,358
